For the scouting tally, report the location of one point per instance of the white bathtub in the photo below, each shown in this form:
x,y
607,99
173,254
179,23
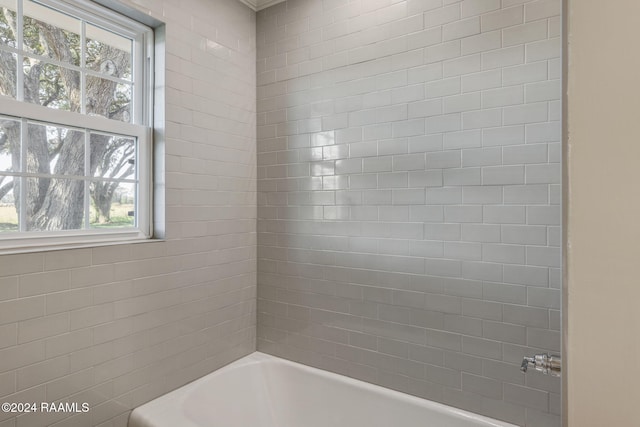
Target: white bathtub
x,y
265,391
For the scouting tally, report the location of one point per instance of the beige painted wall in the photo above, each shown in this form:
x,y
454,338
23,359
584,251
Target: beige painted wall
x,y
603,214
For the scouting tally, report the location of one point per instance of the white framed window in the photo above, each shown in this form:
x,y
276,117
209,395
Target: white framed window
x,y
76,102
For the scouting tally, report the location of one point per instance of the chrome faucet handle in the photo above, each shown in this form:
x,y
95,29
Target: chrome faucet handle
x,y
526,361
545,363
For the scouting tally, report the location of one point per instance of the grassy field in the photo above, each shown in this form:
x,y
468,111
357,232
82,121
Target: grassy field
x,y
119,217
8,218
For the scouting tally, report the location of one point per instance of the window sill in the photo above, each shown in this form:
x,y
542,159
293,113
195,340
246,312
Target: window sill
x,y
95,243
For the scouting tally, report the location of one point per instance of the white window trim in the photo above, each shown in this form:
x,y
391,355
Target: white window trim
x,y
140,128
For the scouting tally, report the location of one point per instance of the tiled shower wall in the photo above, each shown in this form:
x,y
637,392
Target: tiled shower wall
x,y
117,326
409,197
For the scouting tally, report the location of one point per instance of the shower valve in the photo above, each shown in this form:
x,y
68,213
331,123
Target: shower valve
x,y
545,363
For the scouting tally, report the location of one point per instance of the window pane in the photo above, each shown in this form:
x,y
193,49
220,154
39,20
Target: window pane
x,y
8,212
51,85
8,23
9,145
54,204
41,37
108,99
55,150
8,30
112,204
112,156
108,53
8,74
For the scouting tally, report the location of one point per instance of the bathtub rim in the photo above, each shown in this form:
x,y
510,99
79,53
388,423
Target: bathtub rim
x,y
257,357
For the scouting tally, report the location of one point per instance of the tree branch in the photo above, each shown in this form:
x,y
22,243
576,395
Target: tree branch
x,y
54,96
10,17
5,189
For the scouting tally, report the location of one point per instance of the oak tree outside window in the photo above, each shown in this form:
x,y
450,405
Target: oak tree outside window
x,y
75,115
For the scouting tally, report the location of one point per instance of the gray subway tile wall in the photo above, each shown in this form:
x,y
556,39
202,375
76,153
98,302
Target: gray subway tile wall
x,y
116,326
409,197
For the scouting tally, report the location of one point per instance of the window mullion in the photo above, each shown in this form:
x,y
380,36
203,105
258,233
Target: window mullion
x,y
83,64
12,108
24,138
138,60
87,171
19,55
